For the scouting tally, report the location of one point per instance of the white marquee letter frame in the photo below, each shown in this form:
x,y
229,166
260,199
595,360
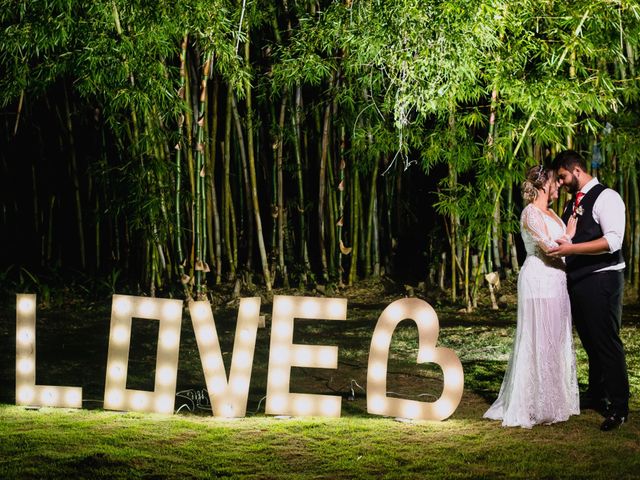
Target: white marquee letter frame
x,y
27,392
428,328
162,398
284,354
228,398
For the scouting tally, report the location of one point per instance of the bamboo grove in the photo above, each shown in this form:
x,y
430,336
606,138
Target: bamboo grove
x,y
191,143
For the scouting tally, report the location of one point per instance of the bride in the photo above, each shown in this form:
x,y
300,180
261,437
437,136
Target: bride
x,y
540,385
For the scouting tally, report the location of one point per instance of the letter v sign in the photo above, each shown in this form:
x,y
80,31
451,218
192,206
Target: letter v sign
x,y
228,398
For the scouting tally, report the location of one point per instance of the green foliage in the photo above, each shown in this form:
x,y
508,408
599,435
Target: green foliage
x,y
483,87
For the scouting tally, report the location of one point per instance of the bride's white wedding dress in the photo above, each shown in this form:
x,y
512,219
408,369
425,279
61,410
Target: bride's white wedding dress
x,y
540,385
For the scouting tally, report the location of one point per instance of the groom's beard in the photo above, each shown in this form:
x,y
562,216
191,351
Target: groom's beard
x,y
572,187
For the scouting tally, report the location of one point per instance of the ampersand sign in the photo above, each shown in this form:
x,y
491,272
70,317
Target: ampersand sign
x,y
428,328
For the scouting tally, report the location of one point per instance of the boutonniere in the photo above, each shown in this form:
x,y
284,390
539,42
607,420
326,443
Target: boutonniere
x,y
579,210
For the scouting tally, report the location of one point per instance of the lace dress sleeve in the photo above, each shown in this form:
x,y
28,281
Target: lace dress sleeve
x,y
532,221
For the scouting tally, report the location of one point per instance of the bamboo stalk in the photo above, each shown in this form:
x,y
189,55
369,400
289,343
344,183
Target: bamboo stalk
x,y
213,213
376,238
252,173
467,252
371,235
361,226
331,212
491,157
511,246
217,230
199,221
234,238
153,126
282,268
453,229
355,239
227,203
322,190
389,196
281,218
274,203
178,171
188,149
295,118
18,113
495,234
152,274
339,224
247,187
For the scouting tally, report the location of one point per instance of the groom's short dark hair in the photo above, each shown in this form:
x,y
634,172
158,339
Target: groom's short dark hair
x,y
568,160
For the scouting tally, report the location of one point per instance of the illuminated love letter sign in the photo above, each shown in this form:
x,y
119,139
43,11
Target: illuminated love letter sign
x,y
425,317
228,399
162,398
284,354
27,392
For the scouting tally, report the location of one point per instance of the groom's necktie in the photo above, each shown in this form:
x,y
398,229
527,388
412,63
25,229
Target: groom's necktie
x,y
576,203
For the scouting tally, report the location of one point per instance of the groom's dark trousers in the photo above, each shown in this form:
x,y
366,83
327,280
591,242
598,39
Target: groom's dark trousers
x,y
596,308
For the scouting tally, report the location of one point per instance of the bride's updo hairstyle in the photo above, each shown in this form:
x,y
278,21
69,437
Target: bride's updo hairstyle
x,y
536,179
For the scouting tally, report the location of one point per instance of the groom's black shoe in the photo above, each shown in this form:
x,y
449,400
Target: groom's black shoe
x,y
613,421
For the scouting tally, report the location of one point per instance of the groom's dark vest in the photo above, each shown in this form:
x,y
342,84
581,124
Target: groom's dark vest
x,y
579,266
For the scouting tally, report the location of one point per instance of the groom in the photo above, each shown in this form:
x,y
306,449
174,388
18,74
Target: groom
x,y
595,280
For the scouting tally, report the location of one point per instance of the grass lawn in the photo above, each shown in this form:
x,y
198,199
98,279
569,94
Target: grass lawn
x,y
92,443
